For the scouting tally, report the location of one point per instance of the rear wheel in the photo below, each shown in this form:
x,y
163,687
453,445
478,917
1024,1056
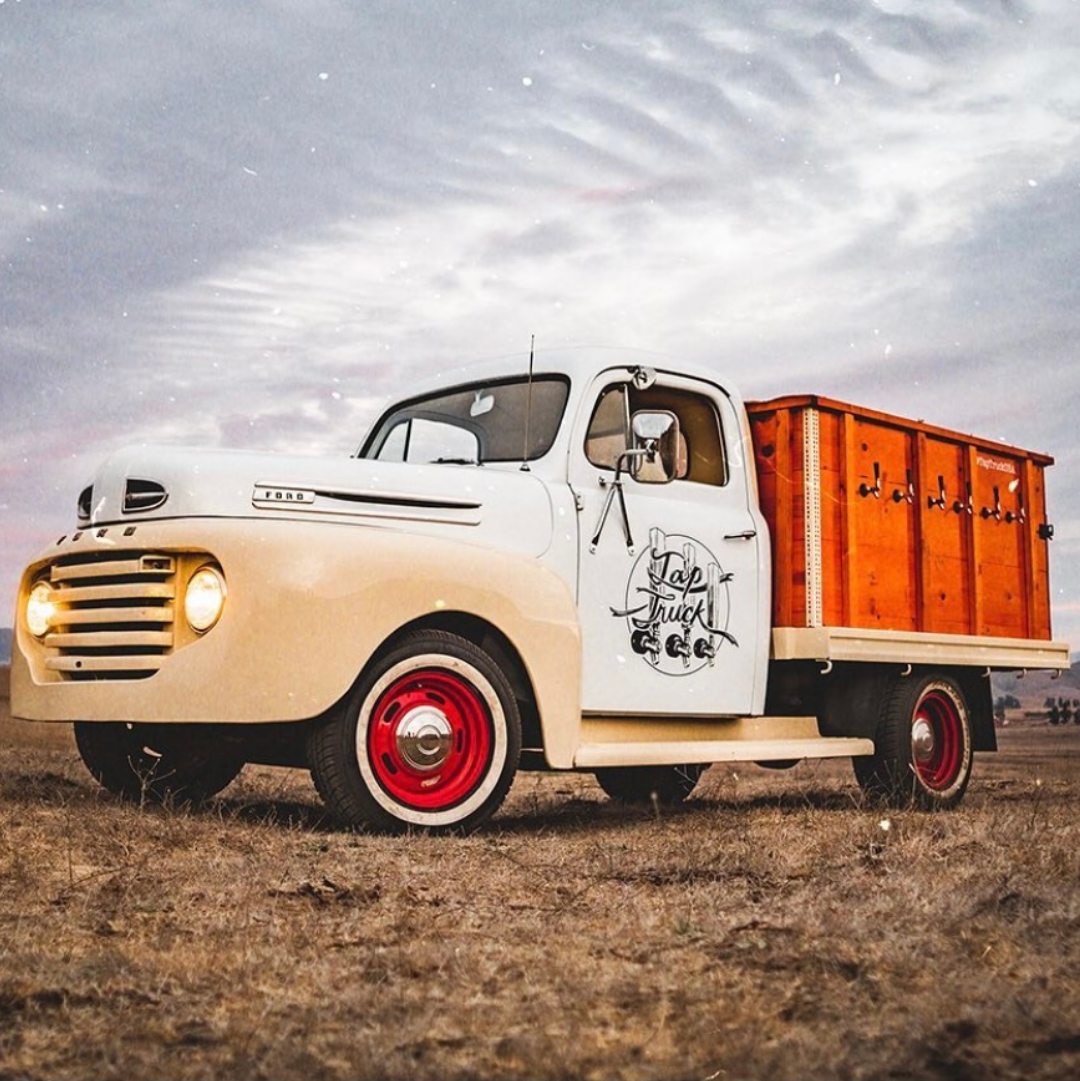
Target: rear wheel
x,y
667,785
157,762
923,744
430,739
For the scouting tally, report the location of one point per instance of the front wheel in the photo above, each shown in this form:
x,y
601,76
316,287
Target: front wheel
x,y
923,745
182,762
430,739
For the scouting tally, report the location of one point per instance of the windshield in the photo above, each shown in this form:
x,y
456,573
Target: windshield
x,y
481,422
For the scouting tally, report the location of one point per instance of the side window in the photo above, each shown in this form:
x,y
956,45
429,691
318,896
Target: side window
x,y
608,430
422,440
701,457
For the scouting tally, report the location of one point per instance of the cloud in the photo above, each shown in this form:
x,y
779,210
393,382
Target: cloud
x,y
244,226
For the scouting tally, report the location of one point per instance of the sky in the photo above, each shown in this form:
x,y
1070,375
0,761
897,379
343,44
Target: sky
x,y
246,225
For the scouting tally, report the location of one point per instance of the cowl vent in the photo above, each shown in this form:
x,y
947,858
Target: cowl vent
x,y
143,495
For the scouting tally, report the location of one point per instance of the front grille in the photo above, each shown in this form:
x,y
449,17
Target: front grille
x,y
115,615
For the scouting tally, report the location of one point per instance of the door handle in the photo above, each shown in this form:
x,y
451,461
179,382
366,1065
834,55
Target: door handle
x,y
746,534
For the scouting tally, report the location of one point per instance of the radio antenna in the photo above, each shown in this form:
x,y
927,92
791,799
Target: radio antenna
x,y
528,407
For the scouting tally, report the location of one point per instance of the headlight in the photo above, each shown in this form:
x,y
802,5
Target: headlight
x,y
205,598
40,608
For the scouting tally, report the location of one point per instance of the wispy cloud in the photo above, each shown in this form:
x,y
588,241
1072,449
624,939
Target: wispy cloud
x,y
243,226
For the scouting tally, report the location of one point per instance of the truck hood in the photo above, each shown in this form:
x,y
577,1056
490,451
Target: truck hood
x,y
506,508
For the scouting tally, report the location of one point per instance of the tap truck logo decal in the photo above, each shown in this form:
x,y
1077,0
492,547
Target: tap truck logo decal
x,y
677,605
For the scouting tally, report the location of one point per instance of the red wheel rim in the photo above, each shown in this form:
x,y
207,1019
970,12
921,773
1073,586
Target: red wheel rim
x,y
430,739
937,740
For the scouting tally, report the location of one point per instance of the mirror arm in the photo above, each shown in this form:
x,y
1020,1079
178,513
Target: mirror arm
x,y
617,487
649,452
623,461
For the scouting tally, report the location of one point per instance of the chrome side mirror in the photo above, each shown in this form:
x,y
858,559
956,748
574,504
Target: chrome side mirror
x,y
654,454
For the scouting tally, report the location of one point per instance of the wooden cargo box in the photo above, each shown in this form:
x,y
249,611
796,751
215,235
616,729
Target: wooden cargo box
x,y
888,524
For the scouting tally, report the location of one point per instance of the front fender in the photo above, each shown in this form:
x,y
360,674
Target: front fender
x,y
308,605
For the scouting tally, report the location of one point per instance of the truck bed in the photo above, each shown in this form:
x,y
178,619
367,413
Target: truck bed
x,y
884,524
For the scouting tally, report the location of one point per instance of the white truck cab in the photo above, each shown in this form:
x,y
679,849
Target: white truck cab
x,y
560,564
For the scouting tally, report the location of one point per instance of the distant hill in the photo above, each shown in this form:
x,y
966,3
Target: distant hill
x,y
5,645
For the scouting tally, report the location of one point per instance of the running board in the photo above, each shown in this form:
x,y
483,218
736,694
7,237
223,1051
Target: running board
x,y
684,752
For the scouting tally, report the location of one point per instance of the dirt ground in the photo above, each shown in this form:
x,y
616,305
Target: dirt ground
x,y
775,927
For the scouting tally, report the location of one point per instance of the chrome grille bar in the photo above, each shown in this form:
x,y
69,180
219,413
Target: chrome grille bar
x,y
122,566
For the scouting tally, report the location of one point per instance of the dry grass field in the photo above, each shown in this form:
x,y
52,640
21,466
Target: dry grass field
x,y
775,927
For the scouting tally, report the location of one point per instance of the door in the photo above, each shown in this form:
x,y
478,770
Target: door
x,y
669,589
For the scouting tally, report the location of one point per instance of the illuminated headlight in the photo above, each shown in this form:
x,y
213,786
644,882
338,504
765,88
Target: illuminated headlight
x,y
40,608
205,598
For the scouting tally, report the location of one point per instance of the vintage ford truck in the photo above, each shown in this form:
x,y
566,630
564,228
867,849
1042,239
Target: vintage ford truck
x,y
570,562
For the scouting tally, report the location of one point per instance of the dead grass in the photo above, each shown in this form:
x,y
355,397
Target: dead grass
x,y
775,927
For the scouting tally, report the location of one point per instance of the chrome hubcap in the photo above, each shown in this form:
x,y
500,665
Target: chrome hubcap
x,y
424,738
922,740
